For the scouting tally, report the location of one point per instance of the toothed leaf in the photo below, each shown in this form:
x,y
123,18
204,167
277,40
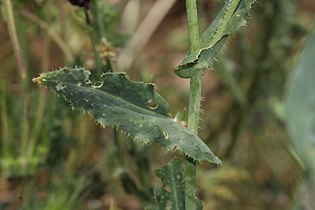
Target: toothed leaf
x,y
172,189
230,19
134,107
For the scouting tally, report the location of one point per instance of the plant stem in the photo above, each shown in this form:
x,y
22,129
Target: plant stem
x,y
95,52
194,103
34,140
14,38
193,26
5,149
98,11
93,42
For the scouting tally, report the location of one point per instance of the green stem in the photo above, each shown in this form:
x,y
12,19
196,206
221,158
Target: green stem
x,y
194,103
95,52
118,150
193,26
5,125
34,137
98,10
25,128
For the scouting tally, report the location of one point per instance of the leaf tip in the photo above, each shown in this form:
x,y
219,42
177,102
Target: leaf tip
x,y
39,80
217,161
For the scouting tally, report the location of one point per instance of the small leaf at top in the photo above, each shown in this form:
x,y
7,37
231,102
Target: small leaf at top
x,y
230,19
134,107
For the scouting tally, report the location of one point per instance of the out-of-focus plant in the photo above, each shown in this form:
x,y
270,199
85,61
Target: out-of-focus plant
x,y
30,121
300,117
24,137
266,46
217,185
65,191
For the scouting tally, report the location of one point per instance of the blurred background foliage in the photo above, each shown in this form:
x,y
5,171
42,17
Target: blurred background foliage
x,y
52,158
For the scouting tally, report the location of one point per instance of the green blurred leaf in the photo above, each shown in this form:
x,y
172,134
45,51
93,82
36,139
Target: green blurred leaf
x,y
134,107
300,107
230,19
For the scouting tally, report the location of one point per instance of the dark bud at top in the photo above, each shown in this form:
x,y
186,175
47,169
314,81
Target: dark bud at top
x,y
81,3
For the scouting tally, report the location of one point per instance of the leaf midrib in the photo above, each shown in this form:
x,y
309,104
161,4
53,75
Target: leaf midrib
x,y
135,108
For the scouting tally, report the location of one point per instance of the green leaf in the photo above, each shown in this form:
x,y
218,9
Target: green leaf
x,y
134,107
173,187
300,107
230,19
